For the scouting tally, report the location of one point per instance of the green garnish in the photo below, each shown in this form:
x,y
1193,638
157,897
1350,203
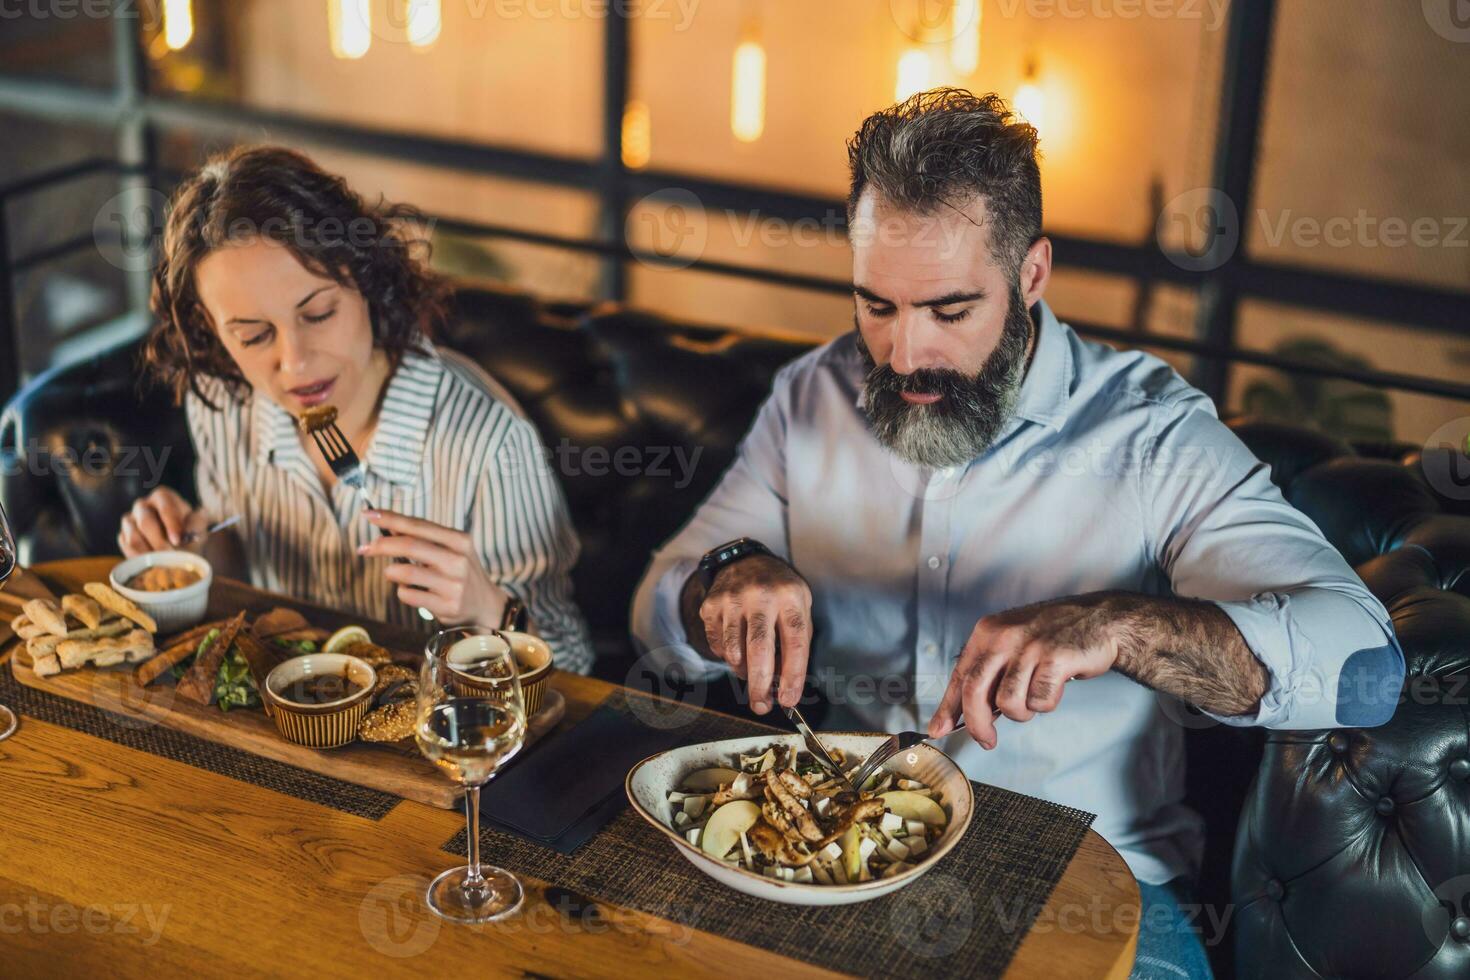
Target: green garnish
x,y
182,667
233,686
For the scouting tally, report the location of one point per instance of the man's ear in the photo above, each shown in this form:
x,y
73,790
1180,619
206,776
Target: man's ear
x,y
1036,270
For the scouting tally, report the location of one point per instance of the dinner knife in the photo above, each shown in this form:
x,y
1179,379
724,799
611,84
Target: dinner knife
x,y
815,747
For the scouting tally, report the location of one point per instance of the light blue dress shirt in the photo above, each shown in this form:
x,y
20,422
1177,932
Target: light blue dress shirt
x,y
1113,473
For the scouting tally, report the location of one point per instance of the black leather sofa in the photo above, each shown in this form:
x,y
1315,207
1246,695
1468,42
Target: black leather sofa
x,y
1349,847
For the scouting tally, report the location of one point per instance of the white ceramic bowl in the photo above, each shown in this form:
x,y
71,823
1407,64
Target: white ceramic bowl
x,y
176,609
649,782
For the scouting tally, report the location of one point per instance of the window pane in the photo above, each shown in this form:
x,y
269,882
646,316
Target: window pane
x,y
1362,158
516,73
552,272
1345,408
1119,135
58,41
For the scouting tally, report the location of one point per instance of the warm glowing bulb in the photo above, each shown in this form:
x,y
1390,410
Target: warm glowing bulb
x,y
964,51
748,92
424,22
350,24
913,74
637,135
1031,104
178,23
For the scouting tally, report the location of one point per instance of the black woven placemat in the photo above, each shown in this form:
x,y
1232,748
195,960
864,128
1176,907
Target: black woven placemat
x,y
965,917
140,733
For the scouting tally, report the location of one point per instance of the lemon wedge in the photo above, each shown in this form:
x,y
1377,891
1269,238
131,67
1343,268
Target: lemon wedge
x,y
344,638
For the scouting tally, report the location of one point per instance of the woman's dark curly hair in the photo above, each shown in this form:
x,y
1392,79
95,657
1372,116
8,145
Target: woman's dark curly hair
x,y
276,194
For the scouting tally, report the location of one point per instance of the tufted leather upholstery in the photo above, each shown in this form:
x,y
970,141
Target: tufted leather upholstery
x,y
1351,838
1343,836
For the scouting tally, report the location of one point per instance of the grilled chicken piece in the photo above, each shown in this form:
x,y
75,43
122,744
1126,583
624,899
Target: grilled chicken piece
x,y
799,787
768,840
778,792
745,787
847,816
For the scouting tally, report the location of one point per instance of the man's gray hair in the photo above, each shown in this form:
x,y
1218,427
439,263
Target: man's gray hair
x,y
942,148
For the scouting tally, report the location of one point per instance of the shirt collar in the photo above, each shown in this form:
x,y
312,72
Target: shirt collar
x,y
397,450
1047,386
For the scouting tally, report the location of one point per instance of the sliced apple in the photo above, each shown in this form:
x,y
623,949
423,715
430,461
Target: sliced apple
x,y
912,806
725,826
851,856
708,780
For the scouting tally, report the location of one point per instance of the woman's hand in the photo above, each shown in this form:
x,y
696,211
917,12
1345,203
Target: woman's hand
x,y
447,578
158,522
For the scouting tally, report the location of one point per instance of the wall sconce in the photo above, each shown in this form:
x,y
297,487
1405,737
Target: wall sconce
x,y
964,50
178,23
349,23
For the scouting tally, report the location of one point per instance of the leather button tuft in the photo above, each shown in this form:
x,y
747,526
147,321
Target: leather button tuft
x,y
1460,768
1460,928
1384,806
1275,890
1337,742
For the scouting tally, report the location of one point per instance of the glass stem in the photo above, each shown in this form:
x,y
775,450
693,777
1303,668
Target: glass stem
x,y
472,814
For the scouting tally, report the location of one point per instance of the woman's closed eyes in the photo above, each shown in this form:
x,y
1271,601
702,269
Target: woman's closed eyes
x,y
269,332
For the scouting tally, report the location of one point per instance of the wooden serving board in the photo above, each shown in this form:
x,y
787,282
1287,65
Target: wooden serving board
x,y
395,768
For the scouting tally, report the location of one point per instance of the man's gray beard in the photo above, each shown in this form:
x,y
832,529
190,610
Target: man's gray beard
x,y
965,423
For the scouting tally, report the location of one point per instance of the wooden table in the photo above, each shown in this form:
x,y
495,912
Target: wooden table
x,y
115,860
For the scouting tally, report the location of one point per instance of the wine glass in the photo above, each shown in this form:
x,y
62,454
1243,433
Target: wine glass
x,y
7,566
470,720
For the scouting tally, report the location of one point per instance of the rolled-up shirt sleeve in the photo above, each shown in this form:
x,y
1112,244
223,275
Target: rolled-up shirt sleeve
x,y
749,501
1222,531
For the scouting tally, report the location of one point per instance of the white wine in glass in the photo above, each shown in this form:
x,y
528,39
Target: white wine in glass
x,y
471,719
7,567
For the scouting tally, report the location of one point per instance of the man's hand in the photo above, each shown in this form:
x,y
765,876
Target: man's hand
x,y
751,604
445,576
1019,660
158,522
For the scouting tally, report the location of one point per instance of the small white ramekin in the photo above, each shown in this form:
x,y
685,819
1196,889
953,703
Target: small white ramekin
x,y
176,609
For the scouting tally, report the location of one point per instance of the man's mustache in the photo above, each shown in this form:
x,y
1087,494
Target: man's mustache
x,y
923,381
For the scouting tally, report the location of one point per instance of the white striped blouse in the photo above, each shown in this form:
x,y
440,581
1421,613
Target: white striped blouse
x,y
451,447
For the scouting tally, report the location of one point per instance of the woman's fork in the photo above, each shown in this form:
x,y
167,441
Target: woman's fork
x,y
347,468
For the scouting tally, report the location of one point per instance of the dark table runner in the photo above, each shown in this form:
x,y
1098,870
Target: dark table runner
x,y
965,917
155,739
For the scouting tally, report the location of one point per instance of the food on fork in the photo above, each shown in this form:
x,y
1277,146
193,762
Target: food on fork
x,y
82,608
164,578
779,814
108,598
46,614
317,418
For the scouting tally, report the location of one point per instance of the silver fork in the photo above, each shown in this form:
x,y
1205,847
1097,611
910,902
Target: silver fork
x,y
900,742
342,458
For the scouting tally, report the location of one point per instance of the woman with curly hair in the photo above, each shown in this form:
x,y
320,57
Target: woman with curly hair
x,y
279,290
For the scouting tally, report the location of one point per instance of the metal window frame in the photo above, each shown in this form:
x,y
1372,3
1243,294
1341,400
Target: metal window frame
x,y
140,118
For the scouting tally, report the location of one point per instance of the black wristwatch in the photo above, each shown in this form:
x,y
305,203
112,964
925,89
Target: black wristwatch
x,y
728,554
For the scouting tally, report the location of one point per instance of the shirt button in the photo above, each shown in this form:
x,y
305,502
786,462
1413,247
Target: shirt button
x,y
931,648
934,561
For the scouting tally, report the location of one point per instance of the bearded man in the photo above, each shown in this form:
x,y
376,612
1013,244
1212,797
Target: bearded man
x,y
961,508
